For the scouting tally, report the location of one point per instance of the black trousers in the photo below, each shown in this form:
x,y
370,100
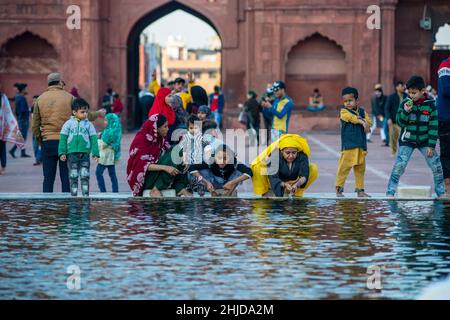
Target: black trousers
x,y
50,161
3,153
444,137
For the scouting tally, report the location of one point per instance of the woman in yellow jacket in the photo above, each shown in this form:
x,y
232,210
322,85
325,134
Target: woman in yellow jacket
x,y
283,169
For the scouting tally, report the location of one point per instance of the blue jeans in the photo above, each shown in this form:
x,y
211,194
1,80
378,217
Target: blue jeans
x,y
403,156
112,174
217,118
386,129
314,108
444,140
276,134
37,150
216,181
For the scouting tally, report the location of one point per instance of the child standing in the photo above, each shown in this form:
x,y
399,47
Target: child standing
x,y
109,146
192,142
355,124
417,116
78,139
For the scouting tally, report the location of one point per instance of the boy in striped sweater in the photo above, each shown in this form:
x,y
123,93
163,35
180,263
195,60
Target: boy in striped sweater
x,y
418,119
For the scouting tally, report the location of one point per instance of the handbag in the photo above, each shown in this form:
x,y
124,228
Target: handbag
x,y
243,117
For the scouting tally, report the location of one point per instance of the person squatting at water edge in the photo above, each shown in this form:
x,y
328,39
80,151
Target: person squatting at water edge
x,y
285,173
224,174
150,165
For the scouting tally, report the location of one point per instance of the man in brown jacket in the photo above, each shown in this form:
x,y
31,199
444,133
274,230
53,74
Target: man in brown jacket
x,y
51,110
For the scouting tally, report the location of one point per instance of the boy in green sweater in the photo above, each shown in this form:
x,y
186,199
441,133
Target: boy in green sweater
x,y
78,139
417,117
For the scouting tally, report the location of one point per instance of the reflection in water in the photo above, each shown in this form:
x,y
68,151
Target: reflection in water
x,y
221,249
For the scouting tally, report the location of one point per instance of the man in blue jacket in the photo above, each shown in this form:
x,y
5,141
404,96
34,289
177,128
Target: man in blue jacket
x,y
443,107
281,110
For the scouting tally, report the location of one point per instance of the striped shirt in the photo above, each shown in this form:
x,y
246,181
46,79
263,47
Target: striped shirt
x,y
420,125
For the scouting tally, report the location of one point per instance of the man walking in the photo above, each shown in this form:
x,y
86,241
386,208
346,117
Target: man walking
x,y
391,109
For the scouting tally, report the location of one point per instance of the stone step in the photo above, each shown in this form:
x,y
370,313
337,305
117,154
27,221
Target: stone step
x,y
171,193
414,192
170,196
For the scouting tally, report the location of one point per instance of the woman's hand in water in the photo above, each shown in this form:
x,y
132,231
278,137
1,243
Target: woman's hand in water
x,y
209,187
294,189
286,186
230,185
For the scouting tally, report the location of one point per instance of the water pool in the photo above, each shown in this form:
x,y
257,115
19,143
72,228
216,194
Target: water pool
x,y
222,249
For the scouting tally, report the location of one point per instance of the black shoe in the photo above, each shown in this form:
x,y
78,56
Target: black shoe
x,y
11,152
25,156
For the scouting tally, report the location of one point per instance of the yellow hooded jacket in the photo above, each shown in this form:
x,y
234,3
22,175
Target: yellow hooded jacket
x,y
260,178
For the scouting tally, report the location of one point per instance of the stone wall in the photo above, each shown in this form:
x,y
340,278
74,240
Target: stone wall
x,y
257,37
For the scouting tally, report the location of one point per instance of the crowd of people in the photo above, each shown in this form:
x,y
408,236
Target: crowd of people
x,y
178,145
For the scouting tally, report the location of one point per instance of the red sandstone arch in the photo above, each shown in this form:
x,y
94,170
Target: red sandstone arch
x,y
133,34
155,13
316,62
332,35
27,57
44,35
13,47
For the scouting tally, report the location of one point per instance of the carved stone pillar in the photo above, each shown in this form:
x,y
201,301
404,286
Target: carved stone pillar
x,y
387,43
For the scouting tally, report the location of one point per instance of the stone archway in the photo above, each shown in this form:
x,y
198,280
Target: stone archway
x,y
133,52
316,62
27,58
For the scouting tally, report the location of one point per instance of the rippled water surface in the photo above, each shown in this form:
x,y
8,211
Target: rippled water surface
x,y
222,249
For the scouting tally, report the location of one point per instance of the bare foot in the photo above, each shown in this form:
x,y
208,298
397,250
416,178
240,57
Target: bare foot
x,y
363,195
184,193
340,194
214,194
231,193
155,193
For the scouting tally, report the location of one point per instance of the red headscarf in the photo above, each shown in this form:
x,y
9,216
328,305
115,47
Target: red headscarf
x,y
161,107
145,150
74,92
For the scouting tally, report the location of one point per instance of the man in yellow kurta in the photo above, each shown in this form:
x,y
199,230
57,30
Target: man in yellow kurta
x,y
355,123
